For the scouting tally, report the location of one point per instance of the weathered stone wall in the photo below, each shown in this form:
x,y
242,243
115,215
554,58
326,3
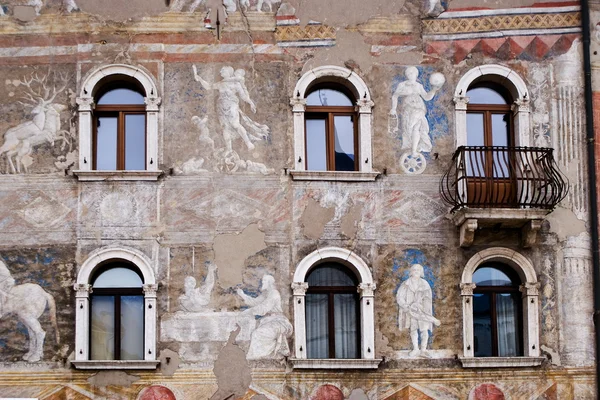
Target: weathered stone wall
x,y
238,212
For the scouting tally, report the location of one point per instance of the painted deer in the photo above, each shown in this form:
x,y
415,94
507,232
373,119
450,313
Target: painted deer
x,y
20,140
27,302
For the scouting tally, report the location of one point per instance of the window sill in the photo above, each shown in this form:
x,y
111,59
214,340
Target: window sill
x,y
95,176
334,363
337,176
501,362
115,364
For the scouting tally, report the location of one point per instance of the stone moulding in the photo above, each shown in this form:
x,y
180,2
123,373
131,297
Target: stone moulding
x,y
115,364
334,363
334,176
96,176
501,362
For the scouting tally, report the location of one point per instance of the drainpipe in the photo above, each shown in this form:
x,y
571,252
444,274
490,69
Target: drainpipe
x,y
589,124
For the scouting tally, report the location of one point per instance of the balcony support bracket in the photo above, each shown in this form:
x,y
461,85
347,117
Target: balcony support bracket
x,y
527,220
529,232
467,232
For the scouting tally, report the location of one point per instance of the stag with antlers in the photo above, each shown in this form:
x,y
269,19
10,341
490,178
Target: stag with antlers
x,y
44,126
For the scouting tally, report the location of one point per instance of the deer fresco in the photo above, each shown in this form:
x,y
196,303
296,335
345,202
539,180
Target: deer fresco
x,y
44,127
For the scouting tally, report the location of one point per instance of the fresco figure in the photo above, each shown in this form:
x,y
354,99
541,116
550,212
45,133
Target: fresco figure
x,y
231,90
415,127
196,299
415,313
270,338
27,302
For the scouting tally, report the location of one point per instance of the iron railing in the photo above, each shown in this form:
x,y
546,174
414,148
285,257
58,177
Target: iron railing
x,y
507,177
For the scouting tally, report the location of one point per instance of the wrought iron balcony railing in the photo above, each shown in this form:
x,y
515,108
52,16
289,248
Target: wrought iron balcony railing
x,y
505,177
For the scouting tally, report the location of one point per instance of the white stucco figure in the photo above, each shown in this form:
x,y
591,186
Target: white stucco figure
x,y
269,3
201,124
178,5
27,302
230,5
231,90
270,338
68,5
416,310
44,127
196,299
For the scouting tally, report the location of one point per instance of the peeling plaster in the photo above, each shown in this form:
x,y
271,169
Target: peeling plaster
x,y
232,250
24,13
314,218
119,10
348,12
557,220
169,362
350,221
112,378
232,371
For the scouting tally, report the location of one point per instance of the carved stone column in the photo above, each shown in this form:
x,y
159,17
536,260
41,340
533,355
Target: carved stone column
x,y
86,105
466,292
298,109
152,104
577,305
367,326
150,316
82,320
530,295
299,289
365,109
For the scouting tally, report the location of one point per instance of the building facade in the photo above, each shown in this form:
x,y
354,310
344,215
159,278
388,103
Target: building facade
x,y
259,199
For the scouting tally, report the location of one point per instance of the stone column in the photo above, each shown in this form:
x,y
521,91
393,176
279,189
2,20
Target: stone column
x,y
299,289
150,321
152,104
365,108
82,321
86,105
466,292
298,109
577,306
367,326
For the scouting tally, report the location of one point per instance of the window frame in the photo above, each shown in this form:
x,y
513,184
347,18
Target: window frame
x,y
334,77
365,289
494,290
507,79
529,289
83,288
97,80
331,291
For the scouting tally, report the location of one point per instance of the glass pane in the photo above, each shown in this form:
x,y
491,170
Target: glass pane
x,y
482,325
489,276
331,274
135,141
328,97
316,145
103,328
317,326
345,325
483,95
500,130
132,327
508,333
344,142
475,133
106,143
118,277
121,96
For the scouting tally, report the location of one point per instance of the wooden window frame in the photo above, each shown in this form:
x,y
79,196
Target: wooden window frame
x,y
120,111
493,291
331,291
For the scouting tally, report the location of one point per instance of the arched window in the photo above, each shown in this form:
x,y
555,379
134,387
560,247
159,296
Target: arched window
x,y
331,130
332,126
497,311
499,291
115,311
118,125
333,311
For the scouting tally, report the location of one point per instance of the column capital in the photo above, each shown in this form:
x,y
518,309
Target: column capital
x,y
299,288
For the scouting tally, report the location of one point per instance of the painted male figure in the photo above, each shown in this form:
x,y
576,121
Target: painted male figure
x,y
416,310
